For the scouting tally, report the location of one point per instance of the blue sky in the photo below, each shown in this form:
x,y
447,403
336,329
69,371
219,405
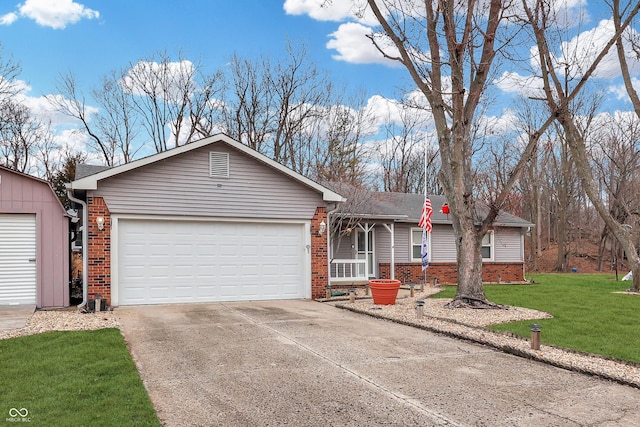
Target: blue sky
x,y
124,31
93,37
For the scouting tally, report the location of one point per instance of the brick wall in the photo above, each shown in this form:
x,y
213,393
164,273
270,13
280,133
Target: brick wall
x,y
492,272
319,256
99,272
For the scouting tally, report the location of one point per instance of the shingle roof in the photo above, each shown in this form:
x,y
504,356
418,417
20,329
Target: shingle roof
x,y
404,207
83,170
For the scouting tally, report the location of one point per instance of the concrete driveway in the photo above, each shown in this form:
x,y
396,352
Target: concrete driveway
x,y
304,363
15,316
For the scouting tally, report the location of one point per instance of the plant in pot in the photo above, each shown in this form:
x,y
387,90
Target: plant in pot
x,y
384,291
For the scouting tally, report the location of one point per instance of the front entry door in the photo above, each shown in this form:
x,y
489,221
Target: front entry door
x,y
365,249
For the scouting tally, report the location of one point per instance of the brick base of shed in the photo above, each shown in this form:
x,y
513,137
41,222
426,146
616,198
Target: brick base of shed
x,y
446,273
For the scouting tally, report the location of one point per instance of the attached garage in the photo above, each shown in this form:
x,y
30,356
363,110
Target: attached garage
x,y
178,261
34,242
209,221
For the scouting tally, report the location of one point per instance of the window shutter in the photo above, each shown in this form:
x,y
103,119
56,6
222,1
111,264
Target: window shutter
x,y
218,164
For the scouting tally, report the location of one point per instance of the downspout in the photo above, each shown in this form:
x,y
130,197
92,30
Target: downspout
x,y
85,251
329,255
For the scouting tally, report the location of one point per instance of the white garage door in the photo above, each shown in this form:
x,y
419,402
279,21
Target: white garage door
x,y
17,259
191,261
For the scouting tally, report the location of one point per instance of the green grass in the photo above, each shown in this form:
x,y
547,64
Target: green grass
x,y
588,315
73,378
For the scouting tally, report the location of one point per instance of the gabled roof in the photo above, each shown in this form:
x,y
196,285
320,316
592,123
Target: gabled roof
x,y
35,178
405,207
90,182
26,175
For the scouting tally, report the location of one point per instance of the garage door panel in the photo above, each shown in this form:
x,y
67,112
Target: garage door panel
x,y
17,259
190,261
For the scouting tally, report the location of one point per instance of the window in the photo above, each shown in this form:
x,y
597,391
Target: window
x,y
218,164
487,246
416,245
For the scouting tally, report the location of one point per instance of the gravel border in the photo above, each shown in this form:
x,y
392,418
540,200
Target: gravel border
x,y
63,320
469,324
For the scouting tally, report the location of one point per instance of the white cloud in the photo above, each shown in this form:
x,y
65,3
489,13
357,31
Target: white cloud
x,y
56,14
320,10
178,74
503,124
352,45
41,108
581,51
512,82
8,19
620,92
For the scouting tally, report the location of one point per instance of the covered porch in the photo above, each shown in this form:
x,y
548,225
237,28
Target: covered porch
x,y
354,253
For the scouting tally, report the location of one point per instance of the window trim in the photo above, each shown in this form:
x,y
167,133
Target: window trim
x,y
491,245
411,244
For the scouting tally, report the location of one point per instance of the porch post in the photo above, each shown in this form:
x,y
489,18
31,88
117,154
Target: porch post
x,y
391,230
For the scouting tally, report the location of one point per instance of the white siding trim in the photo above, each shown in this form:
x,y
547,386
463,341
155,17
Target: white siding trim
x,y
114,243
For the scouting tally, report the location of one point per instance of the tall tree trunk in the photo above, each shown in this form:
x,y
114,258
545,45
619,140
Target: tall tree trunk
x,y
579,153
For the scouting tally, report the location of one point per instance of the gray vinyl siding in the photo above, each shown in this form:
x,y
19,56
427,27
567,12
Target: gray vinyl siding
x,y
181,185
508,245
443,244
403,243
342,248
383,243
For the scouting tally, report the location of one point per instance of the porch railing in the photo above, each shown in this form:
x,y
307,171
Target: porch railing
x,y
347,270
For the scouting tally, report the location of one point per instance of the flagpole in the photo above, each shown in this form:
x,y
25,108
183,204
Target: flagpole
x,y
425,195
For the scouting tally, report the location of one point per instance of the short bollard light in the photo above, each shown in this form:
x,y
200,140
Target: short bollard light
x,y
535,336
366,289
352,295
328,292
419,309
411,290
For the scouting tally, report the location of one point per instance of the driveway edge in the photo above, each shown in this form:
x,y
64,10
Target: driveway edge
x,y
580,362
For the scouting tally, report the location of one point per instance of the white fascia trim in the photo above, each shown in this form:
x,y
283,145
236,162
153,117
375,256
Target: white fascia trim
x,y
91,182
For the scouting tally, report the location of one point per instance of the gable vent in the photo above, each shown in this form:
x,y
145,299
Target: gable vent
x,y
218,164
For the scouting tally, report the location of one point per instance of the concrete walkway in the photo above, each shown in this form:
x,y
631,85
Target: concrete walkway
x,y
305,363
15,316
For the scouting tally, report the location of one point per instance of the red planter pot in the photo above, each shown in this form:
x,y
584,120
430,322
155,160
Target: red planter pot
x,y
384,291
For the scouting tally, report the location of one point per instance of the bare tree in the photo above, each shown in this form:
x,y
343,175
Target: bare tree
x,y
156,102
559,96
405,152
22,137
449,47
269,105
616,162
72,102
163,93
117,121
9,72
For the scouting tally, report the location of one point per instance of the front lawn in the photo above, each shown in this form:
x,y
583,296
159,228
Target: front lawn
x,y
588,315
72,378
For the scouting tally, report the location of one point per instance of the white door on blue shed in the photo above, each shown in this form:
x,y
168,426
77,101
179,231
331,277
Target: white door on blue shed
x,y
177,261
17,259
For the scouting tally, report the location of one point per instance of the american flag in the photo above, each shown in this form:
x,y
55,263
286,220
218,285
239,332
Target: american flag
x,y
427,211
